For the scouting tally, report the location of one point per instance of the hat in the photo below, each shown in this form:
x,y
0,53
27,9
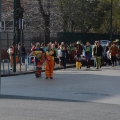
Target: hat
x,y
78,42
117,40
62,43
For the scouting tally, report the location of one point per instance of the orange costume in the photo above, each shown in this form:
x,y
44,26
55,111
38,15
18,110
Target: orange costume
x,y
50,55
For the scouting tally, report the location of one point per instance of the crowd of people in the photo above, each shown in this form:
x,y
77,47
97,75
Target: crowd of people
x,y
55,53
19,51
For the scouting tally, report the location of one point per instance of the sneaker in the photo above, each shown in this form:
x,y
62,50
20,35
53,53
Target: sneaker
x,y
10,68
51,77
46,77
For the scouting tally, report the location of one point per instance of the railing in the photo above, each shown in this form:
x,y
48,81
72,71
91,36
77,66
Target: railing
x,y
27,65
29,61
3,66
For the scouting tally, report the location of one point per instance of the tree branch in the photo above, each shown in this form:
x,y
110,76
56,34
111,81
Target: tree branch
x,y
41,8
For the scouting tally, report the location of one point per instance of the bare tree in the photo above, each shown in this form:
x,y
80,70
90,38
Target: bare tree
x,y
46,18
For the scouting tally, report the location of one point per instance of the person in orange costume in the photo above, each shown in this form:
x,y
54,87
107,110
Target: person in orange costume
x,y
49,55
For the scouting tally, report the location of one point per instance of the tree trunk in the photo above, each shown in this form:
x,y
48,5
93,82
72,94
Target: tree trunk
x,y
46,18
47,29
17,21
65,24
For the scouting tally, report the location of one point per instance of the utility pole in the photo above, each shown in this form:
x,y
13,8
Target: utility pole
x,y
111,20
14,57
0,41
18,27
17,21
21,10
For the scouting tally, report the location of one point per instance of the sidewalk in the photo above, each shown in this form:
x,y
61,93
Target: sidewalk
x,y
24,71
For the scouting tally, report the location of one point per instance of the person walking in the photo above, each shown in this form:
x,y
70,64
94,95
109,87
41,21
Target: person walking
x,y
10,51
88,53
64,54
95,44
113,52
98,51
38,53
78,56
56,60
106,56
49,56
22,53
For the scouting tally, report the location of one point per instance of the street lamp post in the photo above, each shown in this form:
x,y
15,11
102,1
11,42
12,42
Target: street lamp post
x,y
14,58
111,34
0,40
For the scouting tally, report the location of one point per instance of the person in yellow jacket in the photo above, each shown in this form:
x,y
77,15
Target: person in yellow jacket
x,y
49,56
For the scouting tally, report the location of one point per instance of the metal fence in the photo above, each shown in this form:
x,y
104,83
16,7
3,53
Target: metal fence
x,y
33,37
91,37
28,38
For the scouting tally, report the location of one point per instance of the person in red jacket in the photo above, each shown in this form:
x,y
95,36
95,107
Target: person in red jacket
x,y
113,52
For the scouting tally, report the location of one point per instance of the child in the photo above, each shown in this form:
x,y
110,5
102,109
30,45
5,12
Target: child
x,y
78,57
88,54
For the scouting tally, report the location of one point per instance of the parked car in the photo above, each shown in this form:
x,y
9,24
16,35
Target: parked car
x,y
104,42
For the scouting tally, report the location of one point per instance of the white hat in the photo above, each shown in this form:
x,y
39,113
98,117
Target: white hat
x,y
62,43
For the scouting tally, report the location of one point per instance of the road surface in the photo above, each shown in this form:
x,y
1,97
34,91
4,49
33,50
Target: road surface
x,y
71,95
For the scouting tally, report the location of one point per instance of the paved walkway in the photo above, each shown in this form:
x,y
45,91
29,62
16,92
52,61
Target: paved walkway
x,y
71,95
101,86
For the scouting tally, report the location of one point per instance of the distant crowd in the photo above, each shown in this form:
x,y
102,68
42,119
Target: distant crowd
x,y
71,53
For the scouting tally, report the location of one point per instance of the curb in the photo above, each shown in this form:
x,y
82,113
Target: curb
x,y
17,97
31,72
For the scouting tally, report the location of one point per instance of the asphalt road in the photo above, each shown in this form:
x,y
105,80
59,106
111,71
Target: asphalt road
x,y
51,110
71,95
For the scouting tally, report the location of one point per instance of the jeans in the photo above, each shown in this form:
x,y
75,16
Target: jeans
x,y
63,61
22,59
